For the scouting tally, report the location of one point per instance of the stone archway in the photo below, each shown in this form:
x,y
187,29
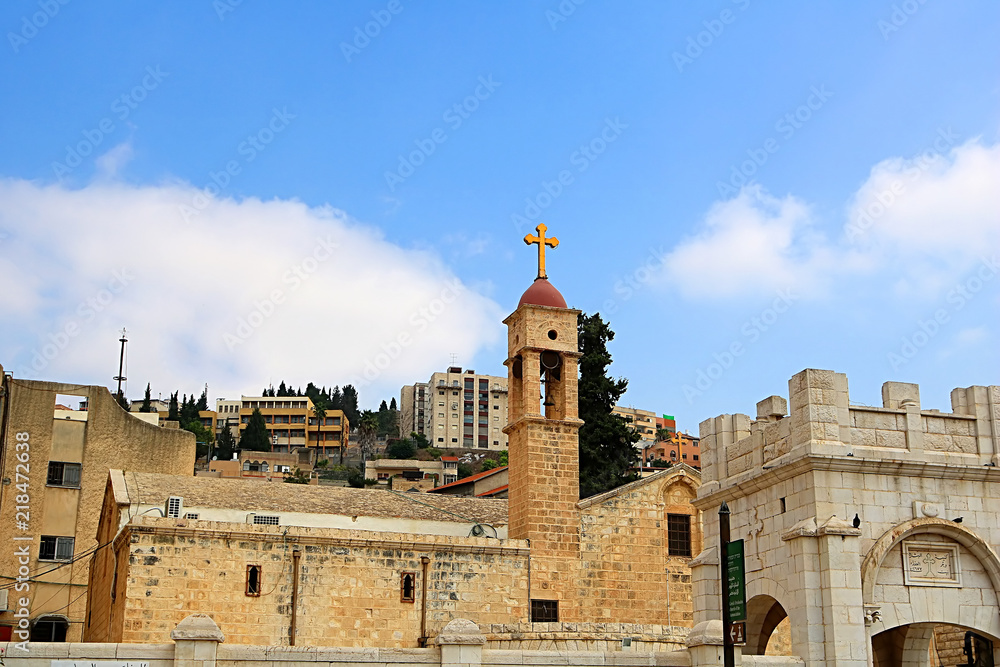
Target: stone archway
x,y
926,577
930,645
764,616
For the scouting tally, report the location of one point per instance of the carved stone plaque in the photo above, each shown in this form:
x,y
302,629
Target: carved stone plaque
x,y
931,564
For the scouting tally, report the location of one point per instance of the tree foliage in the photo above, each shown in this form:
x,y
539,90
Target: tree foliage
x,y
147,401
297,477
225,444
367,433
401,449
173,411
254,437
607,440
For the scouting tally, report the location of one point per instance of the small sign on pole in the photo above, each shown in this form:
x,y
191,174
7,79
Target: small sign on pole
x,y
738,633
736,581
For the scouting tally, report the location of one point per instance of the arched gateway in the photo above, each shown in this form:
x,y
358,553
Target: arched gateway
x,y
871,533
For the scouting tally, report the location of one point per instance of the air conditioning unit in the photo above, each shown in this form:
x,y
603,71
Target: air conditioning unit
x,y
175,505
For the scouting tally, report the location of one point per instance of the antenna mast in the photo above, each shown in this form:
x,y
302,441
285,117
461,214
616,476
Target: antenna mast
x,y
121,365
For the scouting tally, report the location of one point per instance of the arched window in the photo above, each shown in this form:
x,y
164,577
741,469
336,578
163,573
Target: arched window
x,y
407,587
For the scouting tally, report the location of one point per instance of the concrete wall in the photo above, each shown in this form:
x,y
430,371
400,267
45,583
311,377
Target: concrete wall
x,y
102,438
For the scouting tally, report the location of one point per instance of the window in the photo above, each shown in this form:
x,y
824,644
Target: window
x,y
265,520
55,548
695,456
253,580
545,611
454,439
64,474
407,587
440,439
496,443
49,629
679,535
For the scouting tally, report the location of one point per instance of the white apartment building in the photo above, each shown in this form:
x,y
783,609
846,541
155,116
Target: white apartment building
x,y
457,408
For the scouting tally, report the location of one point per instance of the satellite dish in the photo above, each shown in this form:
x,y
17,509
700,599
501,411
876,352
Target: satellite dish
x,y
483,530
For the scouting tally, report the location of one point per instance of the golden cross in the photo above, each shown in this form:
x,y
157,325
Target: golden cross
x,y
530,239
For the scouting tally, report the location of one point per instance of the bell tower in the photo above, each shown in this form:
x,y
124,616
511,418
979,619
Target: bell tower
x,y
543,441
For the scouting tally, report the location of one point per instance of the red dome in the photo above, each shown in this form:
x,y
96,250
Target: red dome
x,y
542,293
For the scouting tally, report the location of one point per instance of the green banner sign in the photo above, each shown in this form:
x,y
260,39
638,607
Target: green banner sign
x,y
736,581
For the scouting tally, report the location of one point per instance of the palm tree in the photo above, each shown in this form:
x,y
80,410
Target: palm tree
x,y
367,433
319,413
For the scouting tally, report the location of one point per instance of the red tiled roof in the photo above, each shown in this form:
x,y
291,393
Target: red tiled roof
x,y
466,480
492,492
449,458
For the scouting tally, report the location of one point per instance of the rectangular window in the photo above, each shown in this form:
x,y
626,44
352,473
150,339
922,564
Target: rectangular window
x,y
679,535
64,474
545,611
253,580
55,548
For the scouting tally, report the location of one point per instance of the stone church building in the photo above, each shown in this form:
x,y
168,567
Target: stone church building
x,y
294,565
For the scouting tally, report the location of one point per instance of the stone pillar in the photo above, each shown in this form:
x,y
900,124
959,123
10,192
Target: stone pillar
x,y
983,403
843,607
805,609
461,644
197,640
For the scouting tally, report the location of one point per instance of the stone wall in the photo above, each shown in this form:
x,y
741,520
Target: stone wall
x,y
626,573
349,584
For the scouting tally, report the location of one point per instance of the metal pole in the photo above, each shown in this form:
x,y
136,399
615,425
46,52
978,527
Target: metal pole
x,y
729,656
121,364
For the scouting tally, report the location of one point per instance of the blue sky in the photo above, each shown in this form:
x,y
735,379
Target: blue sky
x,y
748,190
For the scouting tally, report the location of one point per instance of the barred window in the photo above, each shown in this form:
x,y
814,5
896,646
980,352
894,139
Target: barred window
x,y
545,611
679,535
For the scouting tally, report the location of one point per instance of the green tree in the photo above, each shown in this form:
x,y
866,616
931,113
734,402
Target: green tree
x,y
349,403
173,412
367,433
392,404
147,401
420,440
502,458
464,470
254,437
189,409
203,400
319,413
297,477
489,464
203,437
225,444
607,440
401,449
122,401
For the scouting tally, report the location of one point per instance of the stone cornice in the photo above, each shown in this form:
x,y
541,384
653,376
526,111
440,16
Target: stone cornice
x,y
745,485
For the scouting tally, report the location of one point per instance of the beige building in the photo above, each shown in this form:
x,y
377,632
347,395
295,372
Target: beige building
x,y
644,423
264,466
227,415
55,466
870,533
457,408
384,470
291,423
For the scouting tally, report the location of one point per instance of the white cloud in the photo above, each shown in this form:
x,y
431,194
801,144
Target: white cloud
x,y
109,164
916,224
751,243
248,292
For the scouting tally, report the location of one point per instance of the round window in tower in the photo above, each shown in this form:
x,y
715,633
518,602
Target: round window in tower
x,y
552,334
